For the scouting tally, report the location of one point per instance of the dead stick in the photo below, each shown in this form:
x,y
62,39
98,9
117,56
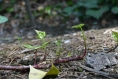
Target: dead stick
x,y
80,77
68,59
95,71
22,68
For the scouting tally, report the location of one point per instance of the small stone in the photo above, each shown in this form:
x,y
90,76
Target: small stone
x,y
74,34
30,35
91,37
105,48
67,41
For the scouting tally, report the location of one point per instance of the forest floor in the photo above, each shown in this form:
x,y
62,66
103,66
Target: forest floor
x,y
13,53
18,32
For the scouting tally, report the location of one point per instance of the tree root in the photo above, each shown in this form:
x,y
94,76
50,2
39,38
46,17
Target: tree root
x,y
37,66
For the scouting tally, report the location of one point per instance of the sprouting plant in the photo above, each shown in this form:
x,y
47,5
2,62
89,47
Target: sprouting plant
x,y
69,54
59,48
40,35
115,37
83,36
19,38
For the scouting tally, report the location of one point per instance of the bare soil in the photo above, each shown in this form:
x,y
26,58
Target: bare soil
x,y
14,54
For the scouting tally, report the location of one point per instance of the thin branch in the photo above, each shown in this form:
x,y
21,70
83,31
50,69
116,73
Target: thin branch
x,y
23,68
95,71
80,77
20,68
112,49
68,59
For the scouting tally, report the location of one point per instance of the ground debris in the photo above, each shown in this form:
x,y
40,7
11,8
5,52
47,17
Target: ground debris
x,y
100,60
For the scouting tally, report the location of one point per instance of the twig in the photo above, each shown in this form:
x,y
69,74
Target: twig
x,y
22,68
68,59
81,75
35,61
44,58
95,71
112,49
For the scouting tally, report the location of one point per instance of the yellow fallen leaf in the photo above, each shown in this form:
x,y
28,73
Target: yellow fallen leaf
x,y
36,74
53,71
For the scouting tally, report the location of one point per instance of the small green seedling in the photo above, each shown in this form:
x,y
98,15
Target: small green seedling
x,y
59,48
83,35
115,36
19,38
40,35
3,19
69,54
80,27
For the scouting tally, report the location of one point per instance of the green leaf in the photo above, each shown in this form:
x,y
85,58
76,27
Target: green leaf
x,y
78,26
48,10
58,42
69,54
19,38
35,13
68,10
28,46
9,9
12,2
115,36
53,71
41,34
69,2
88,3
36,47
78,13
114,10
3,19
97,13
31,47
38,74
44,45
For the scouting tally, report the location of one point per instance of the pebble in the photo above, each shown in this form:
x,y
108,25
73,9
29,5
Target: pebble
x,y
74,34
67,41
91,37
30,35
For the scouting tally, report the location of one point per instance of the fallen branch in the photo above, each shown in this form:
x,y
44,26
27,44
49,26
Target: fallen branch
x,y
23,68
68,59
81,75
20,68
95,71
